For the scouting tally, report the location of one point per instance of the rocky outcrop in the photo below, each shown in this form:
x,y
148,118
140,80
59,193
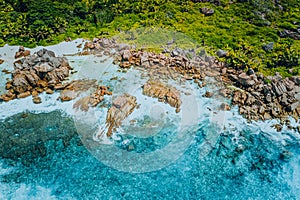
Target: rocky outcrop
x,y
122,107
35,74
164,93
93,99
173,67
92,93
245,80
261,101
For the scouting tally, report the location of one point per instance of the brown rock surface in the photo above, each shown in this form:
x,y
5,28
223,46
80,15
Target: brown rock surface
x,y
121,108
82,103
34,93
36,72
37,100
49,91
93,99
24,94
208,94
22,52
225,106
74,88
164,93
8,96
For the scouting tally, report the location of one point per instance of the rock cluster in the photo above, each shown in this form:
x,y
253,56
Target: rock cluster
x,y
164,93
121,108
93,99
34,74
258,97
99,45
175,66
74,88
260,100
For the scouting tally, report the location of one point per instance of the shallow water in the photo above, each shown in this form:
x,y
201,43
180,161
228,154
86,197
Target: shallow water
x,y
44,154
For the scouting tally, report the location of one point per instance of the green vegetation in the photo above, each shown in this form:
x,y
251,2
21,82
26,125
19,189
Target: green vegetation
x,y
242,27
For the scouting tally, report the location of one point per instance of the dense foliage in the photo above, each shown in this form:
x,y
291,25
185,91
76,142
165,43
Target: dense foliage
x,y
248,29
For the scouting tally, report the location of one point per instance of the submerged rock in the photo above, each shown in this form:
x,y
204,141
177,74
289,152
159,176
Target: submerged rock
x,y
225,107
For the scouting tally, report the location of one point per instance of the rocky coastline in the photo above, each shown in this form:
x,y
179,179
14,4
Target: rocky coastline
x,y
258,97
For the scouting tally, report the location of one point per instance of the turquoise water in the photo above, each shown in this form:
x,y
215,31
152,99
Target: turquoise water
x,y
62,168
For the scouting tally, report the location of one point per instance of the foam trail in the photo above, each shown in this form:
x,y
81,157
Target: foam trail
x,y
22,191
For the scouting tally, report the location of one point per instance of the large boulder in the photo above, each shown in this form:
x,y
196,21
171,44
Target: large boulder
x,y
43,67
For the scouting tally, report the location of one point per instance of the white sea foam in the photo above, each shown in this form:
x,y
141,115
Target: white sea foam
x,y
292,174
21,191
